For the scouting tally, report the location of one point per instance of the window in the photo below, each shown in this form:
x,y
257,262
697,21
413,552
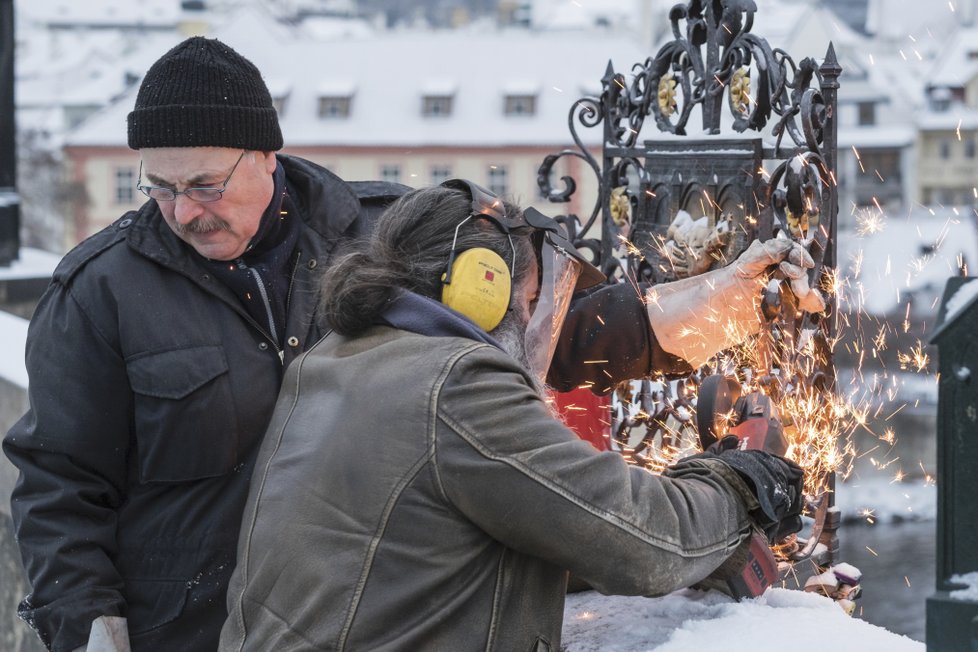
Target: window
x,y
520,105
886,162
498,182
969,148
436,106
440,173
125,185
334,106
390,172
944,149
867,113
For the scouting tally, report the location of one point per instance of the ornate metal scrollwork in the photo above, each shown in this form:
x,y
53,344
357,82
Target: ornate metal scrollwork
x,y
713,57
771,175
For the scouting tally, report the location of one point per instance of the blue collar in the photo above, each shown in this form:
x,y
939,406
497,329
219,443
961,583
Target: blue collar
x,y
418,314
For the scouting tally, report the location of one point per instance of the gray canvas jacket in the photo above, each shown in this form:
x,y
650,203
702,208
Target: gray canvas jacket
x,y
415,493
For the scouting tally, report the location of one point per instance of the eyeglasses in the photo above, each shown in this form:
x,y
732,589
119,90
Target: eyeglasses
x,y
201,194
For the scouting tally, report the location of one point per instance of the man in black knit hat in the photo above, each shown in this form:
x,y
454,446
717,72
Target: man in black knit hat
x,y
156,355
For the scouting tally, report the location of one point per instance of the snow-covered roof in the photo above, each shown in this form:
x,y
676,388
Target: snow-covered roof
x,y
877,136
573,14
911,254
395,70
100,12
332,27
958,63
921,25
955,117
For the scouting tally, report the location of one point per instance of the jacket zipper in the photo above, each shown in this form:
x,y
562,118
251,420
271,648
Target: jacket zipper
x,y
264,298
295,266
273,335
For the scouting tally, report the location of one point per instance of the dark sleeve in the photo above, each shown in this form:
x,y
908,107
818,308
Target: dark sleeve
x,y
71,450
607,338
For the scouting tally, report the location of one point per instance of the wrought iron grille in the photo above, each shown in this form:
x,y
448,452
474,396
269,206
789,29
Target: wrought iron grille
x,y
764,165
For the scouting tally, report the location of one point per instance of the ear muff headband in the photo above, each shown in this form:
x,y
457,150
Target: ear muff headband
x,y
479,287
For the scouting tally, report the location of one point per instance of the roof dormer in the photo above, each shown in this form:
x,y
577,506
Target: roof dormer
x,y
437,98
520,99
335,99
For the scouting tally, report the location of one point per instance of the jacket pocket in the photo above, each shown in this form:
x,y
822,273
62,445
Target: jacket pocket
x,y
184,414
153,603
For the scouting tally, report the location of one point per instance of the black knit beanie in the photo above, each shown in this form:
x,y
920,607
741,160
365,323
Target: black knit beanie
x,y
204,94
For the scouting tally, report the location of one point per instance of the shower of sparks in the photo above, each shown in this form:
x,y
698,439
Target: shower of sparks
x,y
916,359
629,247
655,419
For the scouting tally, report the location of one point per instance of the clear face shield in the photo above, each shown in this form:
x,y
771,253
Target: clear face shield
x,y
562,272
558,277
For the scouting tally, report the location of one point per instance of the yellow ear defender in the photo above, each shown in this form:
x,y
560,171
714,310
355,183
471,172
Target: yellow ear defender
x,y
478,284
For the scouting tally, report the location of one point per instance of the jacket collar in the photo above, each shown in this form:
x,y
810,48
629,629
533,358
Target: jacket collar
x,y
327,203
419,314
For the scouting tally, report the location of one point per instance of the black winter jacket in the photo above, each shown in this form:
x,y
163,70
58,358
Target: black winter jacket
x,y
150,389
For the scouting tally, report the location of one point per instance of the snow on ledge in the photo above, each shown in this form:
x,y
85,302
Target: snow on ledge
x,y
689,620
970,594
13,334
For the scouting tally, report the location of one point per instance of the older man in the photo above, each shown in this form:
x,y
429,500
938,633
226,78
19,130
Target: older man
x,y
156,355
414,491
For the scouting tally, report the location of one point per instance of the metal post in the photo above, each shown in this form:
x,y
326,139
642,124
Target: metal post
x,y
829,72
952,619
9,200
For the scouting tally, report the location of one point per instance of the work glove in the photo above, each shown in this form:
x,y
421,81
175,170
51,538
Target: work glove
x,y
696,317
108,634
792,260
777,482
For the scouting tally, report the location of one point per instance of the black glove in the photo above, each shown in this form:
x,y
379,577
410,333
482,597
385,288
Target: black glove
x,y
777,482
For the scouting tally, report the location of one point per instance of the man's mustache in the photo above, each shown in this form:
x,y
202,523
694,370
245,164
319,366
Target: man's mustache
x,y
202,225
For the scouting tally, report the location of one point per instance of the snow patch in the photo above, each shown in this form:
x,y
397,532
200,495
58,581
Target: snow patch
x,y
970,593
961,299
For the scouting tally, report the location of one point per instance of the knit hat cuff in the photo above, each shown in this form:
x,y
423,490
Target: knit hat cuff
x,y
237,127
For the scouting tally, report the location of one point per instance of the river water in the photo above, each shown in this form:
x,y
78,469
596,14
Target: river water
x,y
898,562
